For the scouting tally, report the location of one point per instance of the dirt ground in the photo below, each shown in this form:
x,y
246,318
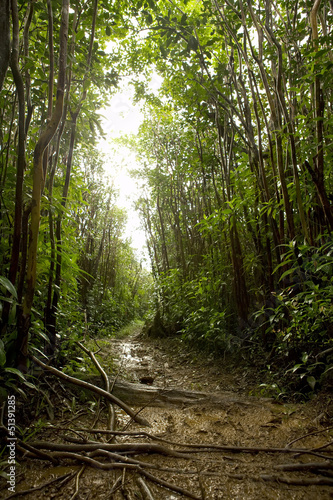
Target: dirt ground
x,y
231,466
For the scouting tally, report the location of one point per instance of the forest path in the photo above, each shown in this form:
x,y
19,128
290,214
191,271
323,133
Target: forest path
x,y
232,446
240,421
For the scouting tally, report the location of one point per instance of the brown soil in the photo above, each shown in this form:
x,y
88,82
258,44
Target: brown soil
x,y
239,421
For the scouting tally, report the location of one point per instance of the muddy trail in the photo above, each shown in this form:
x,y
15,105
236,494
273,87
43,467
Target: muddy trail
x,y
208,438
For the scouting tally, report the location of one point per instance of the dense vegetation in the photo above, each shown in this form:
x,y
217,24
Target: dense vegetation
x,y
236,175
236,158
65,266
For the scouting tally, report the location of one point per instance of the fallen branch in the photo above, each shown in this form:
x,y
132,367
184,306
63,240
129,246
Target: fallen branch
x,y
168,485
93,388
118,447
93,358
150,395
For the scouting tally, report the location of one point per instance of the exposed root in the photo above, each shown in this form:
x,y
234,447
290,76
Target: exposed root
x,y
93,388
128,458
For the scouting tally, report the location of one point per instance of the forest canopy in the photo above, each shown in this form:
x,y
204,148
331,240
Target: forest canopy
x,y
235,169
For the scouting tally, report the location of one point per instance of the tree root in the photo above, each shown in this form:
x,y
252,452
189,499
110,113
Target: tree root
x,y
118,447
313,466
113,456
208,446
144,489
136,473
77,482
93,388
105,378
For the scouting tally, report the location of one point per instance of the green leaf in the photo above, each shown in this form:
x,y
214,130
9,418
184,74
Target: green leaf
x,y
192,43
17,372
6,299
305,357
311,381
295,368
17,389
43,335
8,285
149,18
80,35
286,273
30,385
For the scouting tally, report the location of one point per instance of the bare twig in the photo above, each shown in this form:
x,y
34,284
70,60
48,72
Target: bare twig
x,y
93,358
324,353
115,487
307,435
77,482
145,490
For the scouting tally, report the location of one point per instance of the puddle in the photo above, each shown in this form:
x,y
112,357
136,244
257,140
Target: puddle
x,y
127,354
134,360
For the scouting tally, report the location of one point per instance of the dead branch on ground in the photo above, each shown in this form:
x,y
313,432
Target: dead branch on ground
x,y
93,388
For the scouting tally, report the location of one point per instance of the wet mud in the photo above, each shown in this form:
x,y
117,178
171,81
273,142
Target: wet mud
x,y
234,471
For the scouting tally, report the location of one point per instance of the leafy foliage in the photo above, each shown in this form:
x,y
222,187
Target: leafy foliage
x,y
64,264
236,175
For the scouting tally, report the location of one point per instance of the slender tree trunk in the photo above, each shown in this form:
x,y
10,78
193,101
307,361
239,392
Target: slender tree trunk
x,y
164,251
15,253
4,39
317,171
44,140
21,146
51,312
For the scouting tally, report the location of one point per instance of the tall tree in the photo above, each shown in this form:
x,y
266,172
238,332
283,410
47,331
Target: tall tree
x,y
4,38
38,180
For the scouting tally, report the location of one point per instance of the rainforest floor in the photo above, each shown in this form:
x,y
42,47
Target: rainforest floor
x,y
241,446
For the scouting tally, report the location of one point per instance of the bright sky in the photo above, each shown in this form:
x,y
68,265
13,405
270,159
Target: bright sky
x,y
123,117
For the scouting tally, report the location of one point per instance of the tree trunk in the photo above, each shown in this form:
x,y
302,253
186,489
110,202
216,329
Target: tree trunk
x,y
44,140
4,38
